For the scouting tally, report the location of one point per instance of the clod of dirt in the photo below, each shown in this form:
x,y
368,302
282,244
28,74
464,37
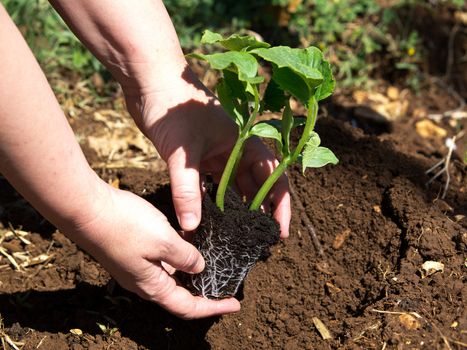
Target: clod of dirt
x,y
409,321
231,243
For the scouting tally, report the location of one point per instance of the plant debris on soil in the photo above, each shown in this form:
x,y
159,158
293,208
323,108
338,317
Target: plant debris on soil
x,y
391,273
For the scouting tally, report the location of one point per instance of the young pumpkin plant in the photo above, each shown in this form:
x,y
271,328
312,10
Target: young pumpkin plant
x,y
302,74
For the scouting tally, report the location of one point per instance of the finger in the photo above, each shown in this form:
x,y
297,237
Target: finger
x,y
186,192
279,196
279,200
169,268
183,304
179,254
158,286
282,214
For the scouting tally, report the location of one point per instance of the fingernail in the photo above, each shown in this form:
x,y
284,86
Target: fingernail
x,y
189,221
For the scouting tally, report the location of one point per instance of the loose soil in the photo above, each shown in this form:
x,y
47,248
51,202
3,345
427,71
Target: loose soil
x,y
376,224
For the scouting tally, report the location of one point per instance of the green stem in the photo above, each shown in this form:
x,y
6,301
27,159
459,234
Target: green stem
x,y
267,185
309,126
276,174
234,158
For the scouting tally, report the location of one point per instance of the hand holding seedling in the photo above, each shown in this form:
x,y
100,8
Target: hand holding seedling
x,y
41,158
302,74
194,135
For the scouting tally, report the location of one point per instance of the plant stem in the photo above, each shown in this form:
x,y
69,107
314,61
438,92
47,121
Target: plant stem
x,y
234,158
267,185
271,180
309,126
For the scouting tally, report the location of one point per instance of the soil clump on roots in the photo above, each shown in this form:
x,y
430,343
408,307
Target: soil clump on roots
x,y
231,242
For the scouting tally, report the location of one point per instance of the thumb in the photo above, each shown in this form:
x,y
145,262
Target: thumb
x,y
186,191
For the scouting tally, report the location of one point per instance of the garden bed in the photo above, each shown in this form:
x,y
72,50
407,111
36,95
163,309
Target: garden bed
x,y
376,224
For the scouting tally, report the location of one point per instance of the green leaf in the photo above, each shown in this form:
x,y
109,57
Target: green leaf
x,y
225,95
300,72
274,99
210,37
327,86
291,82
250,89
302,61
313,141
237,87
243,63
263,129
234,42
294,70
317,157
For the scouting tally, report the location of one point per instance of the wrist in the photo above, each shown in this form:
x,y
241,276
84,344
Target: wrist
x,y
86,206
166,98
141,75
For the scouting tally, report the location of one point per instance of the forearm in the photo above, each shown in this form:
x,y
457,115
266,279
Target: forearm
x,y
135,40
38,152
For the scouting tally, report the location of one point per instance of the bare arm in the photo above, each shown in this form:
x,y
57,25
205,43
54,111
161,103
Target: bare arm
x,y
38,151
41,158
134,39
137,42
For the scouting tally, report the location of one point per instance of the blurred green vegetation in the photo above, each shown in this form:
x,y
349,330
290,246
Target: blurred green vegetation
x,y
362,38
53,44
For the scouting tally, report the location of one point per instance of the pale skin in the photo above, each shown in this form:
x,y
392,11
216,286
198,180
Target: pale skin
x,y
40,157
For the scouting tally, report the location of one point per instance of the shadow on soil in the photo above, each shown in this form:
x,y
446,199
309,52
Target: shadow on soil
x,y
85,306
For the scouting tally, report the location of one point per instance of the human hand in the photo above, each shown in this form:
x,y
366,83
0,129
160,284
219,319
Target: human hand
x,y
136,244
194,136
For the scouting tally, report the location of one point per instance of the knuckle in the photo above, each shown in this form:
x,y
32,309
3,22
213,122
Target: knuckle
x,y
165,245
185,193
190,261
157,287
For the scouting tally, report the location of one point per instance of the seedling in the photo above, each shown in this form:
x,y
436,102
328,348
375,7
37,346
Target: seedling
x,y
106,329
232,242
299,73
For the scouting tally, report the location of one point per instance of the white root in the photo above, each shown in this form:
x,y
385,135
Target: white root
x,y
442,166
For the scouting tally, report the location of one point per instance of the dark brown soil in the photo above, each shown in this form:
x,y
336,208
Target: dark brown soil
x,y
231,242
376,223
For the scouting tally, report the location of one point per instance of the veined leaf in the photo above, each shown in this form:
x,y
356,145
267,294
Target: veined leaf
x,y
326,88
313,141
243,63
234,42
301,72
209,37
293,83
294,70
317,157
263,129
225,95
237,87
302,61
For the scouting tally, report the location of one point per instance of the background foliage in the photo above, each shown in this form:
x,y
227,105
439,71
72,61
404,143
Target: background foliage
x,y
362,38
